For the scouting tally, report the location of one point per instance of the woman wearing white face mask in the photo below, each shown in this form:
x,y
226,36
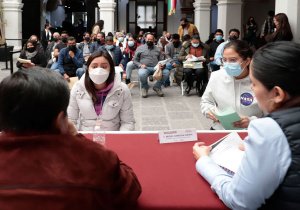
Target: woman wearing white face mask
x,y
229,88
100,95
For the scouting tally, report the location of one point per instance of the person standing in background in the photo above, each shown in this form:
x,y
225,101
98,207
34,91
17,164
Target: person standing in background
x,y
46,36
186,28
283,30
268,25
251,28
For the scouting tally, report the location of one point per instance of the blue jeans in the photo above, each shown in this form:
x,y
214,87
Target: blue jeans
x,y
79,72
130,66
54,66
144,74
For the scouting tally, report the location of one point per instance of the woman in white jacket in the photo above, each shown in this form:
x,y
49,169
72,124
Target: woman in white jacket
x,y
100,96
230,87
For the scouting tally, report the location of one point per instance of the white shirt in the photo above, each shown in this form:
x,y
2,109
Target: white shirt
x,y
224,91
264,166
219,53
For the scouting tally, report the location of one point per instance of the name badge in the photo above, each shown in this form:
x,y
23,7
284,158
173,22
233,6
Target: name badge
x,y
180,135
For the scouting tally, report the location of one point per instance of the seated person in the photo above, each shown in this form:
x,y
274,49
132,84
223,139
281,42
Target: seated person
x,y
230,87
146,58
60,45
218,39
172,50
129,52
121,42
100,95
49,53
39,151
36,42
85,45
98,42
268,176
113,50
31,53
70,60
200,50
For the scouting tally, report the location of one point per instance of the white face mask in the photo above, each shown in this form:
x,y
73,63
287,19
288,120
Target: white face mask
x,y
98,75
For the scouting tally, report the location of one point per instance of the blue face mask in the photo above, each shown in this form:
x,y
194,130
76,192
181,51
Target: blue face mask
x,y
219,37
130,43
109,47
233,69
120,39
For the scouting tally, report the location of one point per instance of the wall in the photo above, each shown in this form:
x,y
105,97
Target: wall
x,y
57,16
174,20
214,18
122,14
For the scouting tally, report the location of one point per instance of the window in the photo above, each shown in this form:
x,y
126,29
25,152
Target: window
x,y
146,16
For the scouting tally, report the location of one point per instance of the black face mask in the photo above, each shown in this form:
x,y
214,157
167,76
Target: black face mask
x,y
99,41
233,38
183,25
176,44
150,43
87,39
31,49
72,48
55,39
64,40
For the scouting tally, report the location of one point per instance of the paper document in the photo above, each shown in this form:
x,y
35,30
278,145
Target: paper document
x,y
23,60
118,69
227,117
193,65
226,152
163,62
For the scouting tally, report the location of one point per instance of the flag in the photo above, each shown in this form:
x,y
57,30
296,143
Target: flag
x,y
171,7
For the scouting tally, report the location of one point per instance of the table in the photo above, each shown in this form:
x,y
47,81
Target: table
x,y
166,171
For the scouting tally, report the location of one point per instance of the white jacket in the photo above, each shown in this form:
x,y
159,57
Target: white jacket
x,y
117,110
224,91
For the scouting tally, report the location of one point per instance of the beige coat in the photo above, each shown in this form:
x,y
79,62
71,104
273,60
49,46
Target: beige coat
x,y
117,110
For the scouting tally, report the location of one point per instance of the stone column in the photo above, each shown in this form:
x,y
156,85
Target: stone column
x,y
107,14
229,15
12,18
202,18
292,9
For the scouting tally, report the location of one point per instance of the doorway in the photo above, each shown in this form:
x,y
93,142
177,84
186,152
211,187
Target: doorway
x,y
146,15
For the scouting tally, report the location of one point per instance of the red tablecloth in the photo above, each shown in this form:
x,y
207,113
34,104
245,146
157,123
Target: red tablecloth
x,y
166,171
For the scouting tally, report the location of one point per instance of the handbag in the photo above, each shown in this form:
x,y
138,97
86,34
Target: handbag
x,y
157,74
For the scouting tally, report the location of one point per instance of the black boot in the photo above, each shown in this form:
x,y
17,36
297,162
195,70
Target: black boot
x,y
187,90
202,89
127,81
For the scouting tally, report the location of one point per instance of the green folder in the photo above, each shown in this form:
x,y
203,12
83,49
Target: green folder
x,y
227,117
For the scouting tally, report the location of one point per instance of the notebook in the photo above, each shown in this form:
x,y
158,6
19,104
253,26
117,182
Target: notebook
x,y
226,153
227,117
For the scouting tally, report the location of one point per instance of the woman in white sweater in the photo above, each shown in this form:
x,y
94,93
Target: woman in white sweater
x,y
100,96
229,88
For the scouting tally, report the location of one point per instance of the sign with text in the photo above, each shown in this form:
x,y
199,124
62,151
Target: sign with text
x,y
181,135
